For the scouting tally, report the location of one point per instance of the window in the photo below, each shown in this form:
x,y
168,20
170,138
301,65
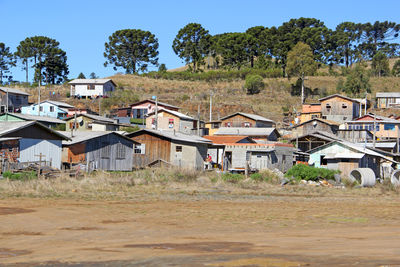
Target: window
x,y
247,124
328,106
33,108
140,149
178,148
228,124
121,151
51,108
90,86
377,127
350,127
344,105
389,127
324,162
105,150
324,117
215,125
41,108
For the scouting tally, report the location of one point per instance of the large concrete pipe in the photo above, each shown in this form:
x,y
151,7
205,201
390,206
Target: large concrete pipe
x,y
394,179
365,176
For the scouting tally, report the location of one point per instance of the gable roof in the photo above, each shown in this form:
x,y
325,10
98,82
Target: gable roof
x,y
173,112
93,117
332,123
337,95
173,135
227,139
317,134
13,91
250,116
91,81
154,102
58,103
377,119
7,127
35,118
82,136
244,131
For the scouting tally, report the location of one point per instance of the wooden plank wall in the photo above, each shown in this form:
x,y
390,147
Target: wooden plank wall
x,y
156,148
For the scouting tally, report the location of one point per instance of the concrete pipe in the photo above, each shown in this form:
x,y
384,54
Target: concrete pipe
x,y
365,176
394,179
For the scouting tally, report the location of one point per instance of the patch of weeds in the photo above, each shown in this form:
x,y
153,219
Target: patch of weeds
x,y
232,177
20,175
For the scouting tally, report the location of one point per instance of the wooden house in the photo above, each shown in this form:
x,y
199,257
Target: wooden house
x,y
90,122
388,99
173,148
241,119
109,151
35,139
48,121
140,109
314,125
310,111
346,156
339,108
16,99
92,88
385,128
257,134
258,156
171,120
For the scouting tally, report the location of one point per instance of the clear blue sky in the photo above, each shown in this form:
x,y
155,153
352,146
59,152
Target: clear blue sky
x,y
82,27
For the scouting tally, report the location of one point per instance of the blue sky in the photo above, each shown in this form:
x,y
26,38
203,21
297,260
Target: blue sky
x,y
82,27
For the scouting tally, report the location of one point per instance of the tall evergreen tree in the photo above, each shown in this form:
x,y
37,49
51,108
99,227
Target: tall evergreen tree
x,y
6,61
380,65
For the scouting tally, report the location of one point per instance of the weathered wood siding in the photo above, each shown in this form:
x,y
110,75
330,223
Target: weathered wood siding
x,y
155,148
237,121
310,127
339,109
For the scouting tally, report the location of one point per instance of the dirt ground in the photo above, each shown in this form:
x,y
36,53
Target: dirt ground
x,y
195,231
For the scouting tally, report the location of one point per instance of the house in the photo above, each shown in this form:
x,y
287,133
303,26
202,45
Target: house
x,y
109,151
339,108
346,156
78,111
48,108
92,88
266,134
216,150
315,125
90,122
35,139
16,99
140,109
388,99
173,148
258,156
47,121
385,128
309,112
171,120
241,119
212,127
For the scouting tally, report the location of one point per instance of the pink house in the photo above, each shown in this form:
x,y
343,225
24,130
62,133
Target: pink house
x,y
140,109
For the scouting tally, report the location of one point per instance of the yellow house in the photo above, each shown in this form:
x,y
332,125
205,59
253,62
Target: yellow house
x,y
385,128
212,127
310,111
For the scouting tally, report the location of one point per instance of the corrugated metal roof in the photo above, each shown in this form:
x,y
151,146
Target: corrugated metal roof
x,y
82,136
2,139
388,94
35,118
13,91
58,103
245,131
154,102
7,127
226,139
248,115
329,122
175,113
90,81
93,117
344,155
337,95
178,136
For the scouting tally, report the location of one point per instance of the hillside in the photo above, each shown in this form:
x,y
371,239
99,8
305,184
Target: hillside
x,y
228,96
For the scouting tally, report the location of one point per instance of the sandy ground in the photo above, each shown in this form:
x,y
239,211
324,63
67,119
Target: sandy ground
x,y
194,231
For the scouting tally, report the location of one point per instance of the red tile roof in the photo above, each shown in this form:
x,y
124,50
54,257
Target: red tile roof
x,y
313,108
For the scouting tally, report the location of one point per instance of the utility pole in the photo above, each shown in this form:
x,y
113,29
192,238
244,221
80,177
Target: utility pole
x,y
39,98
374,136
99,105
198,119
156,112
7,105
302,88
365,105
211,95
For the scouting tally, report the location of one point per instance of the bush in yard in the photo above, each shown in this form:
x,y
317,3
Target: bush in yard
x,y
308,173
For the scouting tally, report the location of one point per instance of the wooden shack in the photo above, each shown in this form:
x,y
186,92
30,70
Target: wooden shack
x,y
171,120
339,108
314,125
241,119
174,148
90,122
109,151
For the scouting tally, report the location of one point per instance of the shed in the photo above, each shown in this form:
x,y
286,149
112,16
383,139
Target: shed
x,y
35,139
48,108
175,148
388,99
108,151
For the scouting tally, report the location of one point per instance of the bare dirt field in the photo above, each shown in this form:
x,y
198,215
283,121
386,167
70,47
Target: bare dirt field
x,y
202,230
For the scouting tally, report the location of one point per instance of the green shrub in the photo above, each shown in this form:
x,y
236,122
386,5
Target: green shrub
x,y
254,84
232,177
137,121
20,176
308,173
257,177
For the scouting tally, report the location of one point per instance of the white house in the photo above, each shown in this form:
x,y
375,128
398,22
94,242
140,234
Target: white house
x,y
89,88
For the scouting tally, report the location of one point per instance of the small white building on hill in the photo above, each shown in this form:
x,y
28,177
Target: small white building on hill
x,y
91,88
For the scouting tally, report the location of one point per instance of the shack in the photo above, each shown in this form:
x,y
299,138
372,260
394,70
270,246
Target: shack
x,y
109,151
170,147
258,156
241,119
90,122
315,125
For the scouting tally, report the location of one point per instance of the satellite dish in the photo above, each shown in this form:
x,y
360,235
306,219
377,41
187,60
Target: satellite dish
x,y
315,123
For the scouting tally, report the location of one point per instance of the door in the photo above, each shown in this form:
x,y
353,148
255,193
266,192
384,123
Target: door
x,y
227,160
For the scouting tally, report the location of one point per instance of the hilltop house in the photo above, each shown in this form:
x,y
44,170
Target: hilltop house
x,y
48,108
388,100
108,151
169,147
339,108
16,99
92,88
90,122
315,125
241,119
34,139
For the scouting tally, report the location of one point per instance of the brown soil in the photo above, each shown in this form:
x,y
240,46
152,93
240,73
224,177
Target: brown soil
x,y
270,231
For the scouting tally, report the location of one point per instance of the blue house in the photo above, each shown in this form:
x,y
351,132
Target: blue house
x,y
48,108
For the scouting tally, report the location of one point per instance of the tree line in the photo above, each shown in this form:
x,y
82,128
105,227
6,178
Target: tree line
x,y
258,47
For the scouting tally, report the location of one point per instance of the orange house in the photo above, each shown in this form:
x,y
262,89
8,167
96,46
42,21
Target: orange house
x,y
310,111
